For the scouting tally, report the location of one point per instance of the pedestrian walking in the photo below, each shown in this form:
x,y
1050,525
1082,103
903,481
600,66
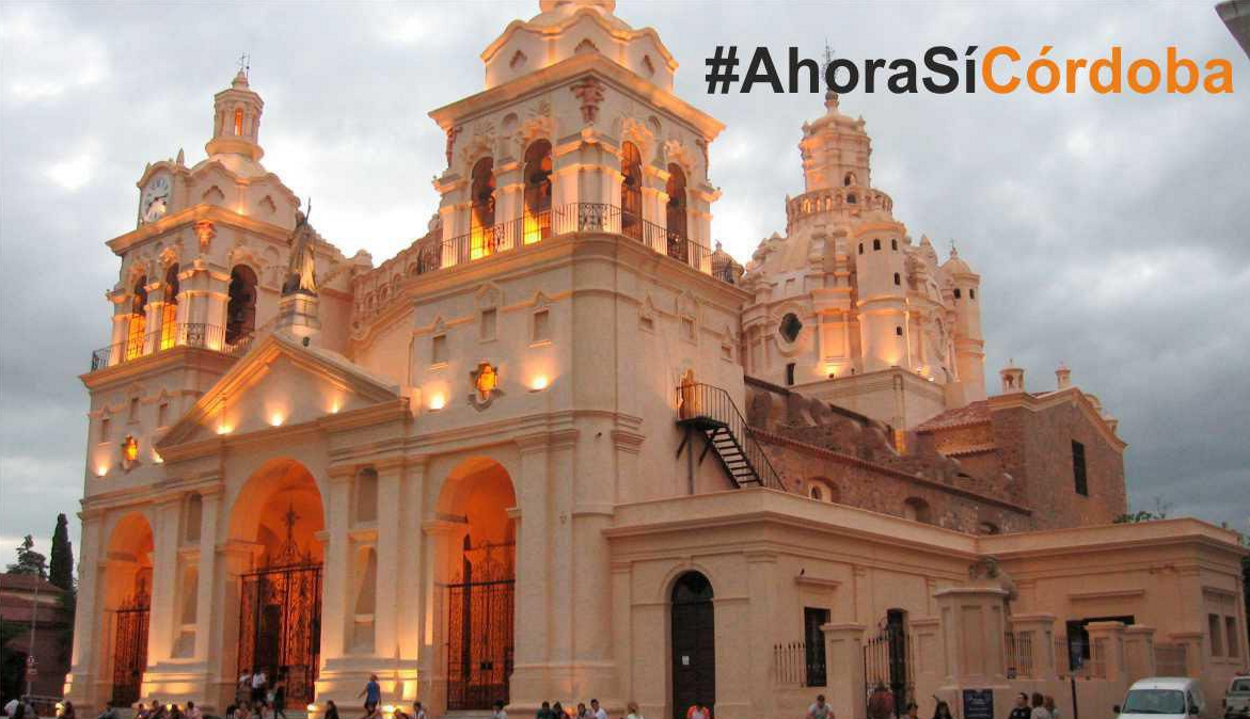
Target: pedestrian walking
x,y
259,684
279,698
372,694
1021,710
1039,710
942,711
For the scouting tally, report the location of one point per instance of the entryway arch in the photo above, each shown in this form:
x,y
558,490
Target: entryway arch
x,y
127,600
692,634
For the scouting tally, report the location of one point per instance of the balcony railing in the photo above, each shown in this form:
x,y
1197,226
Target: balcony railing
x,y
182,334
503,237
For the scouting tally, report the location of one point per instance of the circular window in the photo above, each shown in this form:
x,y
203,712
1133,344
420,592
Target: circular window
x,y
790,327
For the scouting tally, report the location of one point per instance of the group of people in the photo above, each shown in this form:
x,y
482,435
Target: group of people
x,y
1035,707
259,698
549,710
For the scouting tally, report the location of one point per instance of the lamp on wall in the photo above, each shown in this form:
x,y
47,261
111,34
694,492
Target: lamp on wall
x,y
539,383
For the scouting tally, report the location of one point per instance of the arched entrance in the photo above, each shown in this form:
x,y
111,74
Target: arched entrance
x,y
481,585
280,512
693,633
128,587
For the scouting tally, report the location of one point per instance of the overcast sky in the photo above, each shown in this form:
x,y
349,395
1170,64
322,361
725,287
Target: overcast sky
x,y
1111,232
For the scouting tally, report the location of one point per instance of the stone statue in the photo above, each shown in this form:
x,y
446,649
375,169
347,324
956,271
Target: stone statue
x,y
301,270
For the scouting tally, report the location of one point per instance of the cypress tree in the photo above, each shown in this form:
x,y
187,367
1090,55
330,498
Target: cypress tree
x,y
61,566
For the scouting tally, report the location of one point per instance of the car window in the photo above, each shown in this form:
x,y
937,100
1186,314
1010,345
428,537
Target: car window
x,y
1155,701
1240,685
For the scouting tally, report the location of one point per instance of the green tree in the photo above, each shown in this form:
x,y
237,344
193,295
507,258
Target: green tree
x,y
29,561
61,566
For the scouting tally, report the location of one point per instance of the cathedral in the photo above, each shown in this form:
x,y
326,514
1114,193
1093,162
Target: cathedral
x,y
564,446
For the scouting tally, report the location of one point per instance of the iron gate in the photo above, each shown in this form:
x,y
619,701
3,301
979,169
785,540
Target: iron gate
x,y
130,649
887,662
280,620
480,628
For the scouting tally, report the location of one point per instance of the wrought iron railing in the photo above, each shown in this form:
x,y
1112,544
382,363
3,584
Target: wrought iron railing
x,y
705,401
795,664
182,334
534,227
1018,647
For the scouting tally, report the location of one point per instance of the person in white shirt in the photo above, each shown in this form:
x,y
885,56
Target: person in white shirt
x,y
597,710
820,710
1039,711
632,711
499,713
418,711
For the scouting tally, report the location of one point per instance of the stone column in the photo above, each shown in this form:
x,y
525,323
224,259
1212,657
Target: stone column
x,y
204,620
442,543
1106,642
413,569
972,632
1139,652
152,312
386,619
334,605
87,615
233,559
121,325
844,662
533,559
1040,630
162,625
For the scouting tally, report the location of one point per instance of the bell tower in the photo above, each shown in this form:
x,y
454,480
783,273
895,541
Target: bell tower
x,y
236,120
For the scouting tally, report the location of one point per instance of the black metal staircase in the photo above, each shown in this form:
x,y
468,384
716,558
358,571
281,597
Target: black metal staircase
x,y
710,412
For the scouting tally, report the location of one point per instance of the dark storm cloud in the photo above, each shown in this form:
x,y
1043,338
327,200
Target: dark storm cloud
x,y
1111,232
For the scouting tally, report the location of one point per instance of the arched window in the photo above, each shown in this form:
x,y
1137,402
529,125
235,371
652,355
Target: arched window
x,y
169,312
675,212
898,330
538,191
894,245
861,248
972,294
876,245
137,326
238,122
898,279
631,191
957,293
850,199
821,489
241,310
849,179
916,509
482,212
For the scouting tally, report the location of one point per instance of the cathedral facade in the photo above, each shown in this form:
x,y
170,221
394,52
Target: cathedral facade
x,y
563,446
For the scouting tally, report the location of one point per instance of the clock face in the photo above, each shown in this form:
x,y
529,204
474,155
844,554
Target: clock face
x,y
155,200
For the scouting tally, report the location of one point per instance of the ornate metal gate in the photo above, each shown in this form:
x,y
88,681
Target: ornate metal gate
x,y
280,620
888,662
480,627
130,648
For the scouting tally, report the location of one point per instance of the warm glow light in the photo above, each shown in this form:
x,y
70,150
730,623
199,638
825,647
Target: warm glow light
x,y
437,401
276,419
389,708
223,429
102,470
311,708
157,458
334,408
539,383
533,232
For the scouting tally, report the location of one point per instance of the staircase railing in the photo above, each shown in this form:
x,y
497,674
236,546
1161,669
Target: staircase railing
x,y
704,401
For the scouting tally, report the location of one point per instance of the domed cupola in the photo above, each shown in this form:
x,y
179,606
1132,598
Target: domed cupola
x,y
567,28
236,121
835,150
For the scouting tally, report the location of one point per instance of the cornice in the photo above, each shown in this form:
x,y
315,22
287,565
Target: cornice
x,y
187,218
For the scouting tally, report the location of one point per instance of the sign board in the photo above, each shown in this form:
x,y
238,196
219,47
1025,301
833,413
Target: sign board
x,y
978,704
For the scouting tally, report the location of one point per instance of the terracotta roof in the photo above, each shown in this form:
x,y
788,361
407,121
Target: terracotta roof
x,y
26,583
974,413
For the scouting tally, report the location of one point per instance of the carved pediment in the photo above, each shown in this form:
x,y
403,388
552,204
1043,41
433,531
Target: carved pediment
x,y
279,383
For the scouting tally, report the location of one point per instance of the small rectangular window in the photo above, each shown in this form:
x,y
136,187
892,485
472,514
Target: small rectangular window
x,y
687,328
1216,630
488,324
790,374
542,330
972,294
1230,625
134,409
162,415
104,429
438,350
1078,468
957,294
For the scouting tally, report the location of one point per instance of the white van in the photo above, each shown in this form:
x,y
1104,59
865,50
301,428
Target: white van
x,y
1163,698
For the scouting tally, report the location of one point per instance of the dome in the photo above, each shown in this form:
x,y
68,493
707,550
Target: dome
x,y
956,265
567,28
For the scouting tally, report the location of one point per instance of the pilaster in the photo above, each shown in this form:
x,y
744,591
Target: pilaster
x,y
1139,652
844,659
1106,643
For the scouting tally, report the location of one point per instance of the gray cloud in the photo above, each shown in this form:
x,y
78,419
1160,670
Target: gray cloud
x,y
1111,232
